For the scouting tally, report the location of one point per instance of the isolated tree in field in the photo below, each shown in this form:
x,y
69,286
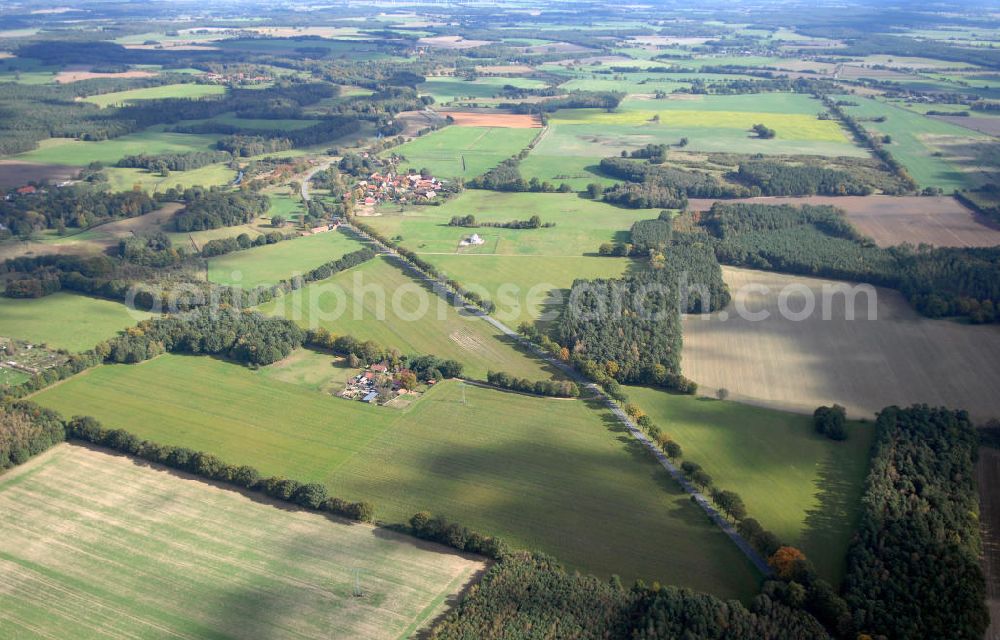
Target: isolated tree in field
x,y
831,422
763,132
722,393
683,142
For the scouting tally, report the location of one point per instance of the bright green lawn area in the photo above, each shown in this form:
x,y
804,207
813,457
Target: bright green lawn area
x,y
65,320
79,153
463,152
800,485
188,90
377,301
582,225
286,205
449,89
915,140
207,176
547,163
273,262
576,487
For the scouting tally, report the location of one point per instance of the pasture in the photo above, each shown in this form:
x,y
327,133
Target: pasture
x,y
865,365
377,301
65,320
446,89
79,153
578,487
934,152
581,224
717,123
462,152
799,484
121,179
270,263
188,90
527,288
892,220
95,545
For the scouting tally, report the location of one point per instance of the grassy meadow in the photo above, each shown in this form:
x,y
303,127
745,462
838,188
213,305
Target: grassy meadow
x,y
188,90
802,486
79,153
378,301
934,152
65,320
94,545
273,262
577,487
463,152
450,89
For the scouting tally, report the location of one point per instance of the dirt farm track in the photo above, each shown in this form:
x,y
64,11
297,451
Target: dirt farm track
x,y
900,358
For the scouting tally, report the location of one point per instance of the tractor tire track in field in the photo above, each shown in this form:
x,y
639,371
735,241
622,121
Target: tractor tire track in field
x,y
698,497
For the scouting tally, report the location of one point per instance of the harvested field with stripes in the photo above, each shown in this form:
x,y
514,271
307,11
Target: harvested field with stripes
x,y
96,545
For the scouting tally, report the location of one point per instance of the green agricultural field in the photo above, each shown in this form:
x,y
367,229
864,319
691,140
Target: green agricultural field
x,y
632,84
377,301
527,288
94,545
188,90
270,263
581,224
451,89
800,485
286,205
78,153
710,123
577,487
65,320
207,176
548,163
936,153
463,152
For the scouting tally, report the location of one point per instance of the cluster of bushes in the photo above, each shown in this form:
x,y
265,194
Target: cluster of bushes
x,y
831,422
530,595
244,145
763,132
174,161
919,533
244,336
81,205
368,352
311,496
213,209
649,185
534,222
507,177
438,529
151,249
222,246
553,388
775,178
26,430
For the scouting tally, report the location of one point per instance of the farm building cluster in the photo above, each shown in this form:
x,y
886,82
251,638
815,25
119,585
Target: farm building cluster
x,y
378,384
390,187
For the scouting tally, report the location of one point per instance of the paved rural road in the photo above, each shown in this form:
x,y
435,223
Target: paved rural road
x,y
304,185
755,558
